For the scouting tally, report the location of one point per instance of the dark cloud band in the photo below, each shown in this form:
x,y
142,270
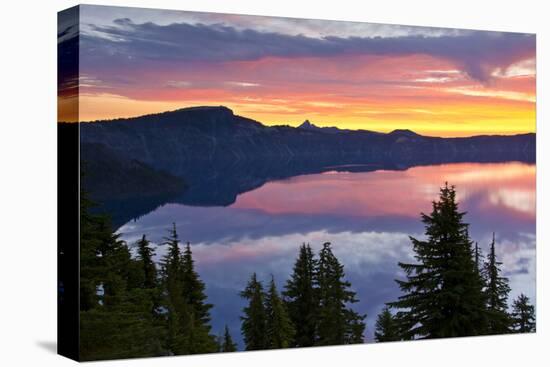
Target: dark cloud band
x,y
126,43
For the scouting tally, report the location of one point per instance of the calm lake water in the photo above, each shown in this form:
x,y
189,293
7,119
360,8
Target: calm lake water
x,y
367,217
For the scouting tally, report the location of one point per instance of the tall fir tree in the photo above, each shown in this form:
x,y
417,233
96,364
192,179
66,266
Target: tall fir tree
x,y
355,327
523,315
125,329
337,324
279,328
386,329
90,268
148,276
479,268
226,343
478,259
115,318
196,335
254,321
497,291
188,327
443,295
145,256
177,311
171,268
174,341
301,298
194,288
104,259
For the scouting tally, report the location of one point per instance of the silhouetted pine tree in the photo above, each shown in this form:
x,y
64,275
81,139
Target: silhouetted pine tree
x,y
178,314
337,324
171,281
355,327
301,298
478,259
124,329
386,329
196,335
254,321
188,332
193,288
105,260
171,270
93,230
115,318
145,259
195,297
148,278
226,342
497,290
479,268
175,342
523,315
279,328
443,294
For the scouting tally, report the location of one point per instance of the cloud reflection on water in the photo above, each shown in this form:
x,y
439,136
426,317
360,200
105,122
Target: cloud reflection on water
x,y
368,218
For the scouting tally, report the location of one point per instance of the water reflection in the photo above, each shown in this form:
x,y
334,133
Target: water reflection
x,y
367,216
396,192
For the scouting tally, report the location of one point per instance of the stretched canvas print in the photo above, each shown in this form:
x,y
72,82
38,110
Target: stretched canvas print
x,y
233,182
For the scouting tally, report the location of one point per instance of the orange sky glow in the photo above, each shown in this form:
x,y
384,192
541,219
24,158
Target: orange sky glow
x,y
431,92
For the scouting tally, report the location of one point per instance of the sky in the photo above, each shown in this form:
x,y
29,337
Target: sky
x,y
282,71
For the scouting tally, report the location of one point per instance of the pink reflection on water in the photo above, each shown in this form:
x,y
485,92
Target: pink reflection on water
x,y
507,186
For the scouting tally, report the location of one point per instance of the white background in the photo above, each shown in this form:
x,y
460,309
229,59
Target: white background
x,y
28,182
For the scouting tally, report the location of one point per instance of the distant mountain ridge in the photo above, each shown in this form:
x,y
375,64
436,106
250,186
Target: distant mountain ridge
x,y
307,125
405,132
215,132
219,154
187,113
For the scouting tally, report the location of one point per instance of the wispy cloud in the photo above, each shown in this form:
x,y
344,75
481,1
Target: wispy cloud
x,y
505,94
178,84
524,68
242,84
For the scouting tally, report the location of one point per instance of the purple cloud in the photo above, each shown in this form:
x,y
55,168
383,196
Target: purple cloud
x,y
126,44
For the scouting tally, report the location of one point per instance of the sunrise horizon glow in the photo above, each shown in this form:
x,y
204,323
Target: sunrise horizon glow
x,y
282,71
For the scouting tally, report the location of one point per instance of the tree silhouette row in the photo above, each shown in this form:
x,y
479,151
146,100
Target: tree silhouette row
x,y
314,310
450,291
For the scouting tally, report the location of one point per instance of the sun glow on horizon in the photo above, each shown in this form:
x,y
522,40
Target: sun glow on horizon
x,y
446,120
487,85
